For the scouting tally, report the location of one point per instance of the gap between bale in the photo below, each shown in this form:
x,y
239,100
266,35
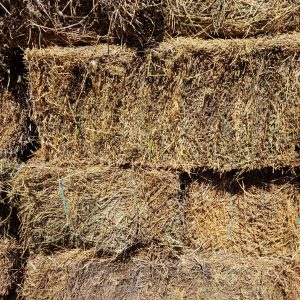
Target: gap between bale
x,y
105,208
18,136
189,103
77,275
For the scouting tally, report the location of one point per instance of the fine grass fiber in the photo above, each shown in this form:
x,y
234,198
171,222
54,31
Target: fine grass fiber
x,y
140,22
221,104
77,275
256,217
9,265
108,209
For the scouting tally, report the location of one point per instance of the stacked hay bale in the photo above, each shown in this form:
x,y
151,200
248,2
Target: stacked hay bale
x,y
118,201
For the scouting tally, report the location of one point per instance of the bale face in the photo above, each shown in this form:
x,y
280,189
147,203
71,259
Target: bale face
x,y
76,275
108,209
230,18
9,263
258,219
191,103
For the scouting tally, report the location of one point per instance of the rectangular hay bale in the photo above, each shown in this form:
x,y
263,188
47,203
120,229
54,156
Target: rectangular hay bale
x,y
108,209
189,103
77,275
259,218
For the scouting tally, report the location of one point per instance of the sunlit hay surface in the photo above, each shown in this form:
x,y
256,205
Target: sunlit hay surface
x,y
108,209
9,261
77,275
189,103
233,18
257,218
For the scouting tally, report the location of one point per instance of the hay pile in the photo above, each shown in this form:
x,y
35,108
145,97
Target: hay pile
x,y
109,209
76,275
9,265
260,218
190,103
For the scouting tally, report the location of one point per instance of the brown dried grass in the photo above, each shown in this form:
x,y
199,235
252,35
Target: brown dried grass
x,y
108,209
140,22
77,275
261,218
230,18
189,103
9,265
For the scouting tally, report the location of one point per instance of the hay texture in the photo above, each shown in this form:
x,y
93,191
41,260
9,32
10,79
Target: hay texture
x,y
108,209
190,103
9,265
76,275
15,131
230,19
62,22
260,218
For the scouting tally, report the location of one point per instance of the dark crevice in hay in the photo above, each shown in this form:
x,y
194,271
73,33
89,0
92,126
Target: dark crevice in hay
x,y
234,181
14,78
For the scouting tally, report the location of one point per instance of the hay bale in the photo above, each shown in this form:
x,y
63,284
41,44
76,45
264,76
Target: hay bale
x,y
190,103
260,218
230,19
109,209
10,255
77,275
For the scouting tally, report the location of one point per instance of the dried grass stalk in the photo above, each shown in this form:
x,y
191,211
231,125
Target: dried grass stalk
x,y
109,209
76,275
190,103
260,218
230,18
140,22
9,263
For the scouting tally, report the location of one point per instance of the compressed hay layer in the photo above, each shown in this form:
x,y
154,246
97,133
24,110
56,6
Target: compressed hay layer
x,y
190,103
9,262
140,22
109,209
256,218
76,275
